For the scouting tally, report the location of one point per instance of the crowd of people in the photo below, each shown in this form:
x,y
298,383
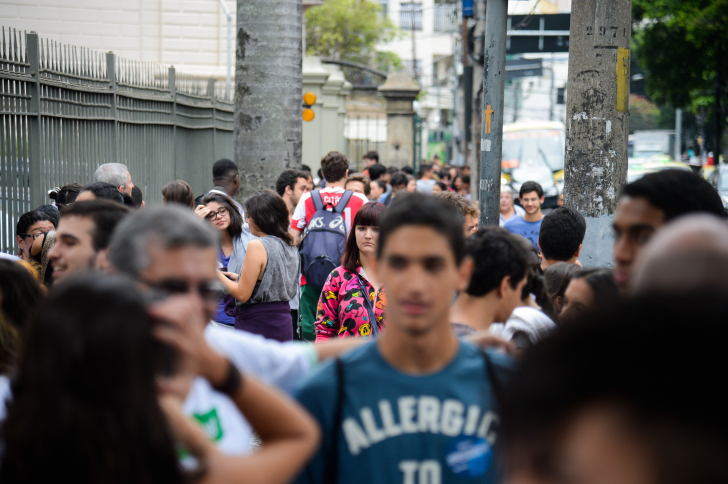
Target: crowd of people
x,y
365,329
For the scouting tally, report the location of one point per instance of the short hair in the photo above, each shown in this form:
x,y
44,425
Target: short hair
x,y
676,193
372,155
382,184
236,219
425,168
376,171
52,212
136,194
289,178
407,169
363,179
306,168
66,194
334,166
113,173
128,200
223,168
392,170
442,186
531,186
368,215
104,190
562,232
269,212
399,179
497,253
459,203
105,216
28,219
627,357
423,210
179,191
170,226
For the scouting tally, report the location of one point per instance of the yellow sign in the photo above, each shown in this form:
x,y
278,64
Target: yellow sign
x,y
487,116
622,79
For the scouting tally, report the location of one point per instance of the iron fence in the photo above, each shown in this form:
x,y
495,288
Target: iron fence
x,y
65,110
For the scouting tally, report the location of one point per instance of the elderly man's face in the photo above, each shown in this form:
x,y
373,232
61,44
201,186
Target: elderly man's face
x,y
188,272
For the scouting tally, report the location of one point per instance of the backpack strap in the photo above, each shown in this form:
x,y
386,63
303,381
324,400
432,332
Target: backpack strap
x,y
343,201
332,469
318,202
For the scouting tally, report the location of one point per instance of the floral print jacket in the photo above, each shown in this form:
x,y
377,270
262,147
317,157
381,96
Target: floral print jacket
x,y
342,311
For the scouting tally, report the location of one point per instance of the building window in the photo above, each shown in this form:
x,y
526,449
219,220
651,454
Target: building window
x,y
445,18
409,13
384,8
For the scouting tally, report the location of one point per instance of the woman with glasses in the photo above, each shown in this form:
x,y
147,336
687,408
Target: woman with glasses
x,y
219,210
352,302
269,276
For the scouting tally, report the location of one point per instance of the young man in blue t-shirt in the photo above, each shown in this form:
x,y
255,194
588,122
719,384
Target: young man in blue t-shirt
x,y
417,405
529,224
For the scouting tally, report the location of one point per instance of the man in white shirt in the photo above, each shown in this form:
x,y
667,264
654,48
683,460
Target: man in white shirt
x,y
508,209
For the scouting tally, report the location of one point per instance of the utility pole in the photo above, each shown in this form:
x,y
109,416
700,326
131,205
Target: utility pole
x,y
597,118
268,91
494,77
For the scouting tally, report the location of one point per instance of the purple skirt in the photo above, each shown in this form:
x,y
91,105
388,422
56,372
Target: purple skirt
x,y
272,320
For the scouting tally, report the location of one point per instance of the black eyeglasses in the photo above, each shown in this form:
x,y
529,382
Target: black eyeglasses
x,y
222,211
210,291
35,236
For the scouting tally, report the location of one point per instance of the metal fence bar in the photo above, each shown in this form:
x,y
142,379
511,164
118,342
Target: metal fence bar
x,y
65,110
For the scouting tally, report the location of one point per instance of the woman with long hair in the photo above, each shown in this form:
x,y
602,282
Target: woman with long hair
x,y
220,211
269,276
352,301
86,406
590,290
557,278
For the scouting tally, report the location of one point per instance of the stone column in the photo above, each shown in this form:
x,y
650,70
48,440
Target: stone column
x,y
400,91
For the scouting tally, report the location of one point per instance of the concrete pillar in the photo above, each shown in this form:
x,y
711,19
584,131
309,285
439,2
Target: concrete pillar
x,y
400,90
597,119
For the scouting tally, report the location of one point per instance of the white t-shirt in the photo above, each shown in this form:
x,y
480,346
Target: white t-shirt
x,y
534,323
425,186
278,364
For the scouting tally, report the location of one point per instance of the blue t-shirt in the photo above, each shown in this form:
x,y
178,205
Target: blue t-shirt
x,y
400,428
529,230
220,316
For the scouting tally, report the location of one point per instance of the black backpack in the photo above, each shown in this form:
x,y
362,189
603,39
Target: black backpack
x,y
324,240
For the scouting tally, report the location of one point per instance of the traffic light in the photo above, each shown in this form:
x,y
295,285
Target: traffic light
x,y
309,99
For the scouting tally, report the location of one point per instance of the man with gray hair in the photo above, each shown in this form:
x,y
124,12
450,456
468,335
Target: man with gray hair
x,y
116,174
508,209
172,254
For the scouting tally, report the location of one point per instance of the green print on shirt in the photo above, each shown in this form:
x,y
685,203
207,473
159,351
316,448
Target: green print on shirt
x,y
210,424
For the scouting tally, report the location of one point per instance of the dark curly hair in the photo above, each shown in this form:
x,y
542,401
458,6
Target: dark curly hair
x,y
562,232
497,253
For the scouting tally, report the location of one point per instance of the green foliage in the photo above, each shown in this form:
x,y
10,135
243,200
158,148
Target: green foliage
x,y
681,43
351,30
